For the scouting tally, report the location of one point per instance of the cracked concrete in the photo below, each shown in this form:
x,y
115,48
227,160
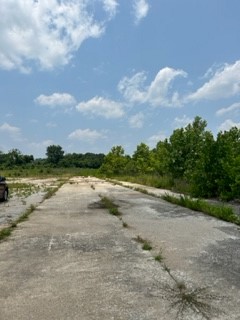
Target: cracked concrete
x,y
73,260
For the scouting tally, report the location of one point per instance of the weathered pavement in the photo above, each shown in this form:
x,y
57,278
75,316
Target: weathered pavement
x,y
72,260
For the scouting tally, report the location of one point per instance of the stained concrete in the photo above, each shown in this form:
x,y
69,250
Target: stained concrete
x,y
73,260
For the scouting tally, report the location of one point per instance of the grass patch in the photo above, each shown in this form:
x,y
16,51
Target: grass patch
x,y
109,204
221,212
146,245
26,214
4,233
50,191
159,257
21,189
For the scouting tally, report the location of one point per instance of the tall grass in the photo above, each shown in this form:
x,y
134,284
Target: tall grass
x,y
47,172
221,212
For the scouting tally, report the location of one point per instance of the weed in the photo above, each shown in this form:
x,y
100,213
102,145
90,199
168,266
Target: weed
x,y
146,245
26,214
220,212
108,204
185,299
159,257
4,233
92,186
124,224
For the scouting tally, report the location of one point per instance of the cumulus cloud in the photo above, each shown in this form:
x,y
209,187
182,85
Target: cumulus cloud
x,y
55,100
224,83
39,148
110,6
13,132
228,124
235,107
133,88
141,8
45,32
136,121
99,106
182,122
86,135
158,93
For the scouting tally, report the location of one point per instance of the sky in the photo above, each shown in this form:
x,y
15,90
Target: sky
x,y
92,74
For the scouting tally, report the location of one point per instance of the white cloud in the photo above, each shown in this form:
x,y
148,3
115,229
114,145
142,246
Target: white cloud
x,y
228,124
86,135
235,107
182,122
136,121
141,8
45,32
99,106
110,6
14,132
157,94
153,140
133,88
224,83
39,148
56,99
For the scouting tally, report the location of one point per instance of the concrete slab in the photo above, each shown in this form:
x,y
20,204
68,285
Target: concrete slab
x,y
72,260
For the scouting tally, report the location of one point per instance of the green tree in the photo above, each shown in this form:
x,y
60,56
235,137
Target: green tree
x,y
54,154
115,161
161,156
227,165
143,159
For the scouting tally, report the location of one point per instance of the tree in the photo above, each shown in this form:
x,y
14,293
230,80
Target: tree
x,y
161,158
115,161
142,158
227,164
54,154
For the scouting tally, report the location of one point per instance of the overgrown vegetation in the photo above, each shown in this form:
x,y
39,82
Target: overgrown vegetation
x,y
146,245
21,191
221,212
6,232
109,204
190,161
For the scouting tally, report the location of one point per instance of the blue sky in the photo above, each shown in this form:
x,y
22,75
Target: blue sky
x,y
91,74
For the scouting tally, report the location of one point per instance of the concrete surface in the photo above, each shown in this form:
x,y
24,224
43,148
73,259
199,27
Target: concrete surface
x,y
73,260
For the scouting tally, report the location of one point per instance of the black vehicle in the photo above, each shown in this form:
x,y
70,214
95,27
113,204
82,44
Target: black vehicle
x,y
3,189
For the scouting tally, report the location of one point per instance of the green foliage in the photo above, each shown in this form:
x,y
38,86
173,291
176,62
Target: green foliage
x,y
221,212
191,161
114,162
54,154
109,204
146,245
142,159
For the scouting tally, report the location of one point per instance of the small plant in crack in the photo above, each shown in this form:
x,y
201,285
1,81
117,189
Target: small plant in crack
x,y
124,224
92,186
146,245
185,300
112,208
159,257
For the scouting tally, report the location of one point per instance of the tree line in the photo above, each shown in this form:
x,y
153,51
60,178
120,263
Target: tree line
x,y
191,157
55,157
210,167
